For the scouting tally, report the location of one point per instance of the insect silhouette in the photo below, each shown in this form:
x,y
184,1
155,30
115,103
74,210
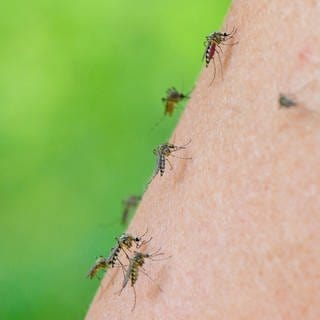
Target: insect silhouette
x,y
135,265
124,242
173,97
130,203
162,152
286,102
213,45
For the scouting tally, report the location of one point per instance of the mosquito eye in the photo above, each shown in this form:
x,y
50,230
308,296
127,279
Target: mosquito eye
x,y
137,239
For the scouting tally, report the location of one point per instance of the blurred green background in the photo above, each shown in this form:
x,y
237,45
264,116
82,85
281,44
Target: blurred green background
x,y
80,89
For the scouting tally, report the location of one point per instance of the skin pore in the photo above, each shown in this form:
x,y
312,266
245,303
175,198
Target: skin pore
x,y
241,219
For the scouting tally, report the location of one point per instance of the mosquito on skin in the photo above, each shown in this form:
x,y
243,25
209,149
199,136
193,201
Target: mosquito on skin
x,y
286,102
135,266
213,43
124,242
162,152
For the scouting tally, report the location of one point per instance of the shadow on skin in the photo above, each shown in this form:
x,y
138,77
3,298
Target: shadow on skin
x,y
155,288
109,282
181,168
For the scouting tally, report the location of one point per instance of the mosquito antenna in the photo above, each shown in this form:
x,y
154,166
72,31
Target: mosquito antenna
x,y
184,158
144,242
166,258
229,44
227,26
233,31
144,234
156,253
230,36
184,145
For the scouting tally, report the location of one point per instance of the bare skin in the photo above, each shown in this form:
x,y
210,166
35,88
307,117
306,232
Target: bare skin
x,y
242,218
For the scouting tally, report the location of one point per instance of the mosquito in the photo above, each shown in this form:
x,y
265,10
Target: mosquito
x,y
173,97
163,151
100,264
286,102
135,266
130,203
213,43
124,242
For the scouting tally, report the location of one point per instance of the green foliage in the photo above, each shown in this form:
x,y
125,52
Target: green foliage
x,y
80,89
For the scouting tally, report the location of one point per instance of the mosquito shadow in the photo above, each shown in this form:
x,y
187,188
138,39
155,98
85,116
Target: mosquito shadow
x,y
110,281
156,288
180,169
